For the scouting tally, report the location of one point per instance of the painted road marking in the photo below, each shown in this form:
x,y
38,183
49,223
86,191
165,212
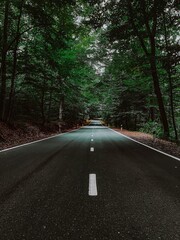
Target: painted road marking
x,y
92,135
91,149
92,140
92,185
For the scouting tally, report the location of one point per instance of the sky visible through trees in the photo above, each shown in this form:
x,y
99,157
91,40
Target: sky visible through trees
x,y
66,61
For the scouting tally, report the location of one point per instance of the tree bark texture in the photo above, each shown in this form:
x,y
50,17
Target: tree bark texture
x,y
170,79
3,62
15,56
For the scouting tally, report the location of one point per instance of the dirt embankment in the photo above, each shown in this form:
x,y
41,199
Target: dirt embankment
x,y
148,139
24,133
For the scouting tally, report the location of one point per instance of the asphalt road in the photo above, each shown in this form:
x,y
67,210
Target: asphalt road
x,y
47,192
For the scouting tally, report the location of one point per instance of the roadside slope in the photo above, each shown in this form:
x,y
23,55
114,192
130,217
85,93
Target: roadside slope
x,y
148,139
24,133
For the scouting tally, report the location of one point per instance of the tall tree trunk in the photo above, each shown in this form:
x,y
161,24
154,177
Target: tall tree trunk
x,y
60,114
12,88
42,103
3,62
135,122
170,78
172,104
152,115
50,100
158,93
154,72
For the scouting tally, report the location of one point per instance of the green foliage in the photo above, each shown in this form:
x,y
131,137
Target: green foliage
x,y
152,128
51,64
139,40
93,59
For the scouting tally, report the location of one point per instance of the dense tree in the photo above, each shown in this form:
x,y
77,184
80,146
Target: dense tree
x,y
143,25
43,63
64,61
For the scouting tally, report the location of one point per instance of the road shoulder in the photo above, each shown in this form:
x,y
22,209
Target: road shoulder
x,y
147,139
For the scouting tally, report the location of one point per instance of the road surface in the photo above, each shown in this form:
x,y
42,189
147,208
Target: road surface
x,y
89,184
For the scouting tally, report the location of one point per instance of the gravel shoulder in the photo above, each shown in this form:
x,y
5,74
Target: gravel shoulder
x,y
148,139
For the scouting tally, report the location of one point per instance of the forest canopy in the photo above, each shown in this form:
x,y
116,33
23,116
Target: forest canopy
x,y
67,61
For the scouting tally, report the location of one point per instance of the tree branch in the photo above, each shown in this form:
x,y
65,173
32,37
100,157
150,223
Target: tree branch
x,y
17,37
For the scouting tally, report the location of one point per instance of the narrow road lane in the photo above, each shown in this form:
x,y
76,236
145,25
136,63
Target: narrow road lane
x,y
89,184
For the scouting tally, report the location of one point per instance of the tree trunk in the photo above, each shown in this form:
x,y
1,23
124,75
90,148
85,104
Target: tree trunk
x,y
154,72
135,122
3,62
42,103
158,93
152,115
12,88
172,104
42,109
60,115
50,101
170,79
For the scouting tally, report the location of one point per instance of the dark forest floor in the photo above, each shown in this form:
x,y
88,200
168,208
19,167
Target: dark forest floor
x,y
14,136
148,139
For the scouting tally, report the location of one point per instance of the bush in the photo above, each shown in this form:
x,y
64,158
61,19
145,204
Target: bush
x,y
152,128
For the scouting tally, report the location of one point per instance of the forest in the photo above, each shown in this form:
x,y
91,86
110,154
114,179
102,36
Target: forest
x,y
65,61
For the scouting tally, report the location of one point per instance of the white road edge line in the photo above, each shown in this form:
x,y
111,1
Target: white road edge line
x,y
176,158
91,149
92,185
40,140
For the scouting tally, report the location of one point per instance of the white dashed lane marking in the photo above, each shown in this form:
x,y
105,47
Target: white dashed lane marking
x,y
92,185
91,149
